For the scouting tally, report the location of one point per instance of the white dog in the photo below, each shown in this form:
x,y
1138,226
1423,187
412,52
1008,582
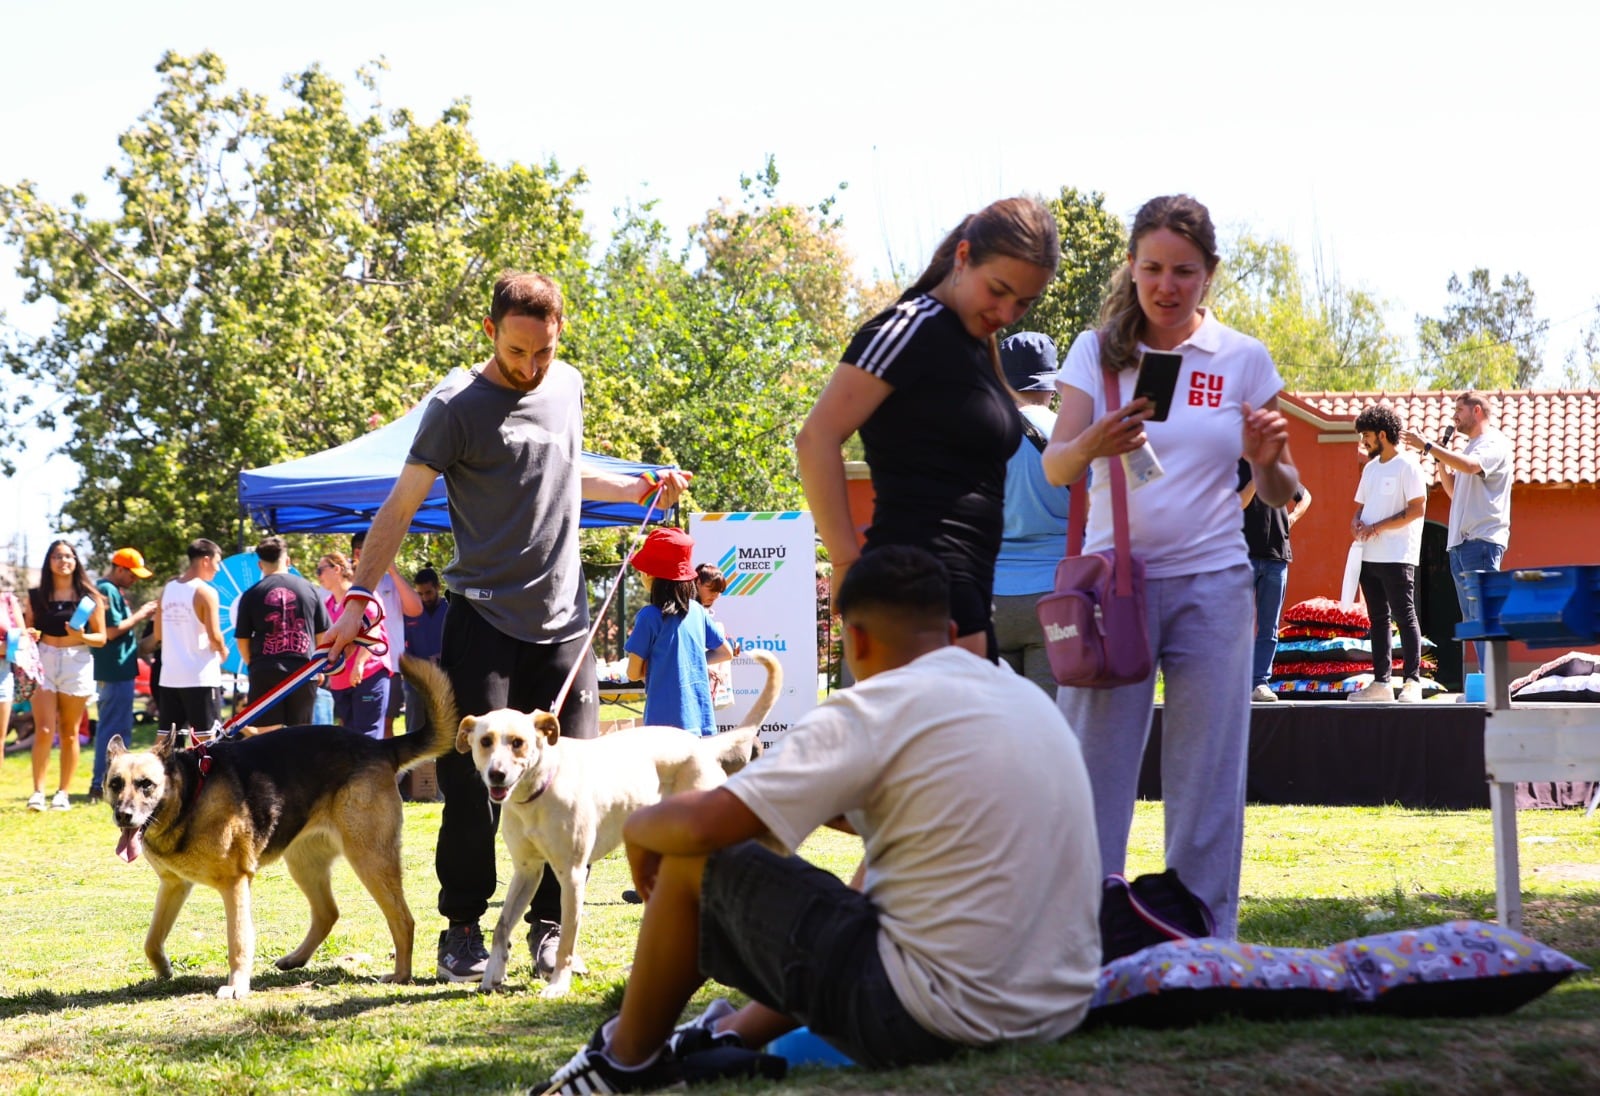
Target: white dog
x,y
563,800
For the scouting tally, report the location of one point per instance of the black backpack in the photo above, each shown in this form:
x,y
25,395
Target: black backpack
x,y
1152,909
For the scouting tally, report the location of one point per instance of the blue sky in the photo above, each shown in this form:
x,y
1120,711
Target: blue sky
x,y
1406,141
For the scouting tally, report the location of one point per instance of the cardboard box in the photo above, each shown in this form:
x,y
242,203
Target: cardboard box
x,y
424,782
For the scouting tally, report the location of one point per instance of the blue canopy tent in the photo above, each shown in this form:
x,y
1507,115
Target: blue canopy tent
x,y
339,490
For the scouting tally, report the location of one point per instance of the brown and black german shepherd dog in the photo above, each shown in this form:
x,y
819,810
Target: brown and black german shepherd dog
x,y
306,794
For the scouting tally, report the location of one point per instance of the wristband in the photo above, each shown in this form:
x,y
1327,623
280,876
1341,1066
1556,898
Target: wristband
x,y
652,482
1427,447
361,593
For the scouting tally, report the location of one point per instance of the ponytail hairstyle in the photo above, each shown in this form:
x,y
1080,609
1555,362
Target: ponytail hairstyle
x,y
1017,228
1121,318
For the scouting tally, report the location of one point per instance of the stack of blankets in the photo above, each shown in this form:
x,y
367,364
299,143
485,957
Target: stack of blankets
x,y
1324,652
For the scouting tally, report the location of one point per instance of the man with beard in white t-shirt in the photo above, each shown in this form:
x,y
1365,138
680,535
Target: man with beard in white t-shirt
x,y
1388,525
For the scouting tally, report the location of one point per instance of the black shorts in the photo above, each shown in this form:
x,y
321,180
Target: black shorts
x,y
397,695
795,938
198,707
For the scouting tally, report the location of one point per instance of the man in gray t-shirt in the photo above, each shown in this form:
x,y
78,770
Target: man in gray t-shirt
x,y
1478,481
507,439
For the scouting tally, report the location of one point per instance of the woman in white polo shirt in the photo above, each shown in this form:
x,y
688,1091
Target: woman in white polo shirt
x,y
1185,526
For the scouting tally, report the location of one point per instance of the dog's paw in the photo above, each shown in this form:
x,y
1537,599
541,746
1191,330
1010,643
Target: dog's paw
x,y
558,988
162,968
487,986
396,979
230,992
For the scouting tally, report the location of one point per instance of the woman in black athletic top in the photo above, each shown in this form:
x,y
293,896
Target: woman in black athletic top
x,y
921,383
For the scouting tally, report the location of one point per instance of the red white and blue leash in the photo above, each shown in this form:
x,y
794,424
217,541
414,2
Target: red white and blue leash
x,y
367,638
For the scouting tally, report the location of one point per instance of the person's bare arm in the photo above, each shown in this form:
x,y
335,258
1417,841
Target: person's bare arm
x,y
207,610
93,633
723,653
1246,493
1297,511
688,824
133,620
1078,437
1265,442
244,649
847,402
388,529
601,486
410,603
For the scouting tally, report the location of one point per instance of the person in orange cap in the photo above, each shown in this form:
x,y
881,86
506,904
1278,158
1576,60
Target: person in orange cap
x,y
116,665
674,640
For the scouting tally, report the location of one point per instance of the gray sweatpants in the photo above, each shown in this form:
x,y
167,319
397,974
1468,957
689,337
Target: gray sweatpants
x,y
1201,632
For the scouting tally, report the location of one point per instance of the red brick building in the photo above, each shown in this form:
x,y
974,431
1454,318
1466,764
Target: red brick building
x,y
1555,497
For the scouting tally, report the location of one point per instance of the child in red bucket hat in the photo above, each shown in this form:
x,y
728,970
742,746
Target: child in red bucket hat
x,y
674,640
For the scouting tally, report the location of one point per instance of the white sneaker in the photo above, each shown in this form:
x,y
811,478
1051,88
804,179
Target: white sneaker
x,y
1263,694
1379,692
36,801
1411,692
60,802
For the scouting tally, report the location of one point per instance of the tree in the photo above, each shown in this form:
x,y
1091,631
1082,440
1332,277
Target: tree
x,y
1320,334
1488,336
1581,369
727,341
1094,243
275,281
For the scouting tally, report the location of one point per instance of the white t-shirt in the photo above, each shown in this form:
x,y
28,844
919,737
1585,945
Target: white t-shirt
x,y
1187,521
1480,505
968,788
1386,488
393,620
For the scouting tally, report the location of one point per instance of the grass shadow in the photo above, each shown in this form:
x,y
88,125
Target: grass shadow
x,y
43,1001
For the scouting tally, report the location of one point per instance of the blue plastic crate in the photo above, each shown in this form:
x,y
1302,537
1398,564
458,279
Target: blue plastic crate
x,y
1541,606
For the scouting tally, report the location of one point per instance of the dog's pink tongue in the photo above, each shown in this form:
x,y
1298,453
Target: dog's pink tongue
x,y
129,845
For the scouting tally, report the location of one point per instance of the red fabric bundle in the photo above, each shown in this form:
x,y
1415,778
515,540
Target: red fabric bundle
x,y
1349,617
1334,670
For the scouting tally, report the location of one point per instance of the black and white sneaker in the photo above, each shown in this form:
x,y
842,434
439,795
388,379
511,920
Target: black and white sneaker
x,y
462,955
700,1034
591,1071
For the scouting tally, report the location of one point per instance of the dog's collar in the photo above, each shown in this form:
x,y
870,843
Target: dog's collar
x,y
543,784
203,766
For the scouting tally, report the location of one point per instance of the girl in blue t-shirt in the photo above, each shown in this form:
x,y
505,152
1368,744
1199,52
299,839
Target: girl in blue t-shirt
x,y
674,640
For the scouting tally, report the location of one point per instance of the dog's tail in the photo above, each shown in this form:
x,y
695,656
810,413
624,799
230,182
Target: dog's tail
x,y
434,688
735,749
769,692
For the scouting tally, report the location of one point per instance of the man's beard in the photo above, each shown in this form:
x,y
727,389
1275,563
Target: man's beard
x,y
515,382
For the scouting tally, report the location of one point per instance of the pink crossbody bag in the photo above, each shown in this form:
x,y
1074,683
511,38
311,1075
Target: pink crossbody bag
x,y
1094,624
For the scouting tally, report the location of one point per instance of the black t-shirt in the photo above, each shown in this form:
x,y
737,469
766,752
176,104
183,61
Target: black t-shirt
x,y
1266,528
938,446
281,616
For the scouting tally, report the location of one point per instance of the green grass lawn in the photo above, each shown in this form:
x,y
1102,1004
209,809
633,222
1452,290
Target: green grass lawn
x,y
79,1012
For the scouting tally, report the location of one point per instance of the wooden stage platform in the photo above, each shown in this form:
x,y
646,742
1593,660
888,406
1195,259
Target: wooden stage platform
x,y
1337,754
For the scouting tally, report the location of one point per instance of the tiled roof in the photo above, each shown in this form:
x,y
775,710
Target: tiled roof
x,y
1556,435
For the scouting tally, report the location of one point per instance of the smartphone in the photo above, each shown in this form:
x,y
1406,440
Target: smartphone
x,y
1158,380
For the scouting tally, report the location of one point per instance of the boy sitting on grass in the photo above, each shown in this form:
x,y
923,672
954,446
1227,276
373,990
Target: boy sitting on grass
x,y
972,921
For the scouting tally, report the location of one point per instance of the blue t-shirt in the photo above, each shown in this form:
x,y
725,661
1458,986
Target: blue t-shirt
x,y
425,632
1035,535
677,682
